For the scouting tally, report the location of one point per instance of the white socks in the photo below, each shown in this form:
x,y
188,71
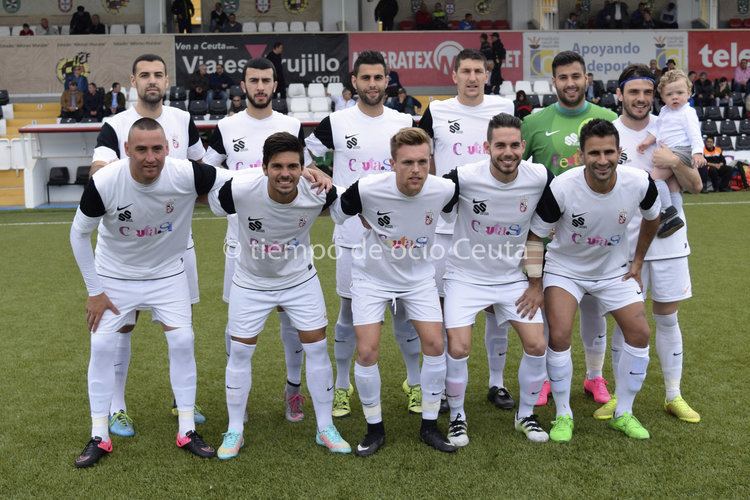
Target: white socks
x,y
496,343
560,371
456,380
433,382
408,343
594,336
319,376
664,197
122,363
631,372
293,351
618,344
183,374
101,379
345,341
238,377
531,374
669,349
367,379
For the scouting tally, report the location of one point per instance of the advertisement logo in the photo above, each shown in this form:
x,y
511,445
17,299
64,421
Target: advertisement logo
x,y
445,54
664,52
540,60
65,65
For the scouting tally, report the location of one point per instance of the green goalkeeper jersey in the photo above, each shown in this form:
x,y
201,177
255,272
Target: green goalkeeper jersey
x,y
551,135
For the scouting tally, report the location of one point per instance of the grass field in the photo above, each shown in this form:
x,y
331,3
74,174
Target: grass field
x,y
45,420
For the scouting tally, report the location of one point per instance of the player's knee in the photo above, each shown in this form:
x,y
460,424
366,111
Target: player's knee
x,y
535,346
433,346
367,355
559,338
639,336
458,350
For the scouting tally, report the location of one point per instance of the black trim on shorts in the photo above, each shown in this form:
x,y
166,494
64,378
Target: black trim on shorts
x,y
583,279
276,289
149,279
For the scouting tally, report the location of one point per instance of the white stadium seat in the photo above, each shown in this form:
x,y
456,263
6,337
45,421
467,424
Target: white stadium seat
x,y
249,27
541,87
312,26
133,29
320,104
525,86
316,90
506,88
281,27
296,26
298,105
65,29
302,116
335,88
265,27
8,111
3,128
320,115
117,29
16,31
4,31
132,94
296,90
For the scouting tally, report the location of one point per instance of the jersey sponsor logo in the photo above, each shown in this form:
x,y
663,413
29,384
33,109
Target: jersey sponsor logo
x,y
241,165
523,205
548,133
480,207
164,227
169,206
119,208
622,216
255,225
428,218
125,216
596,241
383,219
351,141
577,220
454,127
238,144
405,243
369,165
268,248
496,229
571,139
623,158
471,149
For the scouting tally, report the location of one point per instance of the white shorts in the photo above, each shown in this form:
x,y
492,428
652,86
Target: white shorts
x,y
191,272
344,272
231,252
168,299
369,303
248,309
464,300
612,294
439,254
668,280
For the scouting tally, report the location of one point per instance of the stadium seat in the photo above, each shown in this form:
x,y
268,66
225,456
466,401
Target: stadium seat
x,y
608,101
312,26
742,143
735,23
177,93
133,29
16,30
178,105
728,127
82,175
725,143
320,115
296,90
406,25
316,90
281,27
65,29
236,90
117,29
320,104
541,87
249,27
303,116
132,94
708,127
506,89
484,25
68,121
549,99
733,113
3,127
744,128
298,105
534,100
335,88
611,86
4,31
280,106
297,27
501,24
89,119
197,109
525,86
265,27
712,113
699,112
217,107
4,98
737,99
58,176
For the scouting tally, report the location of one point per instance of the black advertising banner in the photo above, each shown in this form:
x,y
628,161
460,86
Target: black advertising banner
x,y
306,57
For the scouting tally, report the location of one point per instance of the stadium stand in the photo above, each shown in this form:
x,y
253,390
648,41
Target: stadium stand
x,y
249,27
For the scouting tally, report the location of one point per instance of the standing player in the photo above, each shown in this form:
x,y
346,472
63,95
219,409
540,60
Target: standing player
x,y
665,269
458,127
142,206
275,269
589,212
497,198
551,137
400,209
151,82
238,141
359,137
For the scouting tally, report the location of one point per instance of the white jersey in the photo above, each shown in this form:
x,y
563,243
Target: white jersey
x,y
459,133
361,146
239,139
395,252
143,228
678,128
274,238
493,222
591,240
179,128
661,248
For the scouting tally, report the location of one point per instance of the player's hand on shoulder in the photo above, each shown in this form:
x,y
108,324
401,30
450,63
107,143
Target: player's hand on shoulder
x,y
96,305
531,300
318,179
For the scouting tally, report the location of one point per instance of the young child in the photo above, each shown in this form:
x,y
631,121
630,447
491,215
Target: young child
x,y
677,128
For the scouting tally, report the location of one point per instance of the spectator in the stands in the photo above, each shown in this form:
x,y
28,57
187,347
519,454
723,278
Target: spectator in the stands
x,y
199,84
716,168
495,80
602,17
391,90
671,64
723,92
345,100
467,23
232,26
668,17
484,47
114,100
571,23
522,105
78,77
71,103
97,28
93,103
439,17
275,57
237,104
594,89
404,103
704,90
617,15
26,30
219,83
654,67
423,18
218,18
741,77
498,54
80,23
648,21
183,10
45,28
636,18
385,11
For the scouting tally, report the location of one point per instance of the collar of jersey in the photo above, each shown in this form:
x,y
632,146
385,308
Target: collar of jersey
x,y
572,112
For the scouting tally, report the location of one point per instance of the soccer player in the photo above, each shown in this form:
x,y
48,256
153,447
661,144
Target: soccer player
x,y
275,268
238,141
359,137
142,206
400,208
665,268
552,137
458,127
589,212
497,198
151,82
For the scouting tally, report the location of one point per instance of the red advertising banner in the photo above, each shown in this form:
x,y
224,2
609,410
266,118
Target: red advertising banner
x,y
425,58
718,52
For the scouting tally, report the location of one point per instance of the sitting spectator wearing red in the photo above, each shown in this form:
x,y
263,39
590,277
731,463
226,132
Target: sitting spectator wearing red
x,y
704,90
26,30
45,28
741,76
218,18
71,102
97,28
220,82
114,101
716,168
423,18
467,23
93,103
439,17
522,105
80,22
232,26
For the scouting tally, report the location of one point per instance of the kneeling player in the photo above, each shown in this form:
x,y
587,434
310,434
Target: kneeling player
x,y
484,268
276,212
401,208
143,206
589,210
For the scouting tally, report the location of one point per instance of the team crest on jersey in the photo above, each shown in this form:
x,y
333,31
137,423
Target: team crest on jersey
x,y
64,5
523,205
428,218
622,217
262,6
175,142
170,206
302,221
